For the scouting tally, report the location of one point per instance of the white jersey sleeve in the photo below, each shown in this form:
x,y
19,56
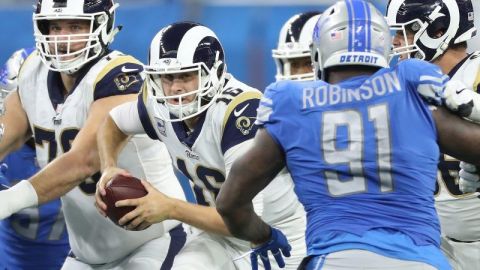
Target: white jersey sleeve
x,y
127,119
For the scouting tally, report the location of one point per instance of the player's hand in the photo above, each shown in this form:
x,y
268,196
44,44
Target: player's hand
x,y
107,175
153,208
469,178
277,245
458,98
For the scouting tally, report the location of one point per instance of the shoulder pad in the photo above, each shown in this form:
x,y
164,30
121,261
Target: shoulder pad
x,y
120,76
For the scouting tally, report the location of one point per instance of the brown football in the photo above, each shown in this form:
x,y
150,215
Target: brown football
x,y
122,187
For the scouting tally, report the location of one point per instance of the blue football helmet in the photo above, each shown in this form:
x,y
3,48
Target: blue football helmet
x,y
351,32
56,50
436,24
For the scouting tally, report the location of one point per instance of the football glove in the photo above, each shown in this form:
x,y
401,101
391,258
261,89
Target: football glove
x,y
458,98
277,245
469,178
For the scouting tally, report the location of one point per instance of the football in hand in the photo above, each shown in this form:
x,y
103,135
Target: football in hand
x,y
122,187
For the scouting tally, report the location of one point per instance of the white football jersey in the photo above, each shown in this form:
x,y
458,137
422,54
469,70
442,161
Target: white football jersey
x,y
55,120
459,213
205,155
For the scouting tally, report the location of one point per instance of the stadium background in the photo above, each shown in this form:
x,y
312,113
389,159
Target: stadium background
x,y
248,29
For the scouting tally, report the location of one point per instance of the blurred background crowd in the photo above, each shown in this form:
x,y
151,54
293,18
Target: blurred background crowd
x,y
248,29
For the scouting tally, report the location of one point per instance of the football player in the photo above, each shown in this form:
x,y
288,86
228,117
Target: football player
x,y
65,90
292,55
437,31
364,156
36,237
206,118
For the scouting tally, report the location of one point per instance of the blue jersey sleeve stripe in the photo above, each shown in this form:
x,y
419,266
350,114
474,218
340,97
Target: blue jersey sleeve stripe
x,y
263,115
144,117
435,84
433,78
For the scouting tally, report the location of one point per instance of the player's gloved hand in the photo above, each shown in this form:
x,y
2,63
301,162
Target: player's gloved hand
x,y
9,72
458,98
277,244
469,178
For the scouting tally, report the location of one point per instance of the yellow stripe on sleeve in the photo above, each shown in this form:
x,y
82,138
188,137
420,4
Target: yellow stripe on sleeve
x,y
477,81
123,59
237,100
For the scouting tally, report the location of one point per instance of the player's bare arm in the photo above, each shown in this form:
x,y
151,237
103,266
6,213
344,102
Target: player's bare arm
x,y
82,160
111,141
258,166
156,206
457,137
14,124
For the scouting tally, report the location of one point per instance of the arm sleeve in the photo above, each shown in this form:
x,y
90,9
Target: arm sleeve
x,y
127,119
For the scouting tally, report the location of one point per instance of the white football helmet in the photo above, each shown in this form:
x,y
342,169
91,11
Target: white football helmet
x,y
185,47
350,32
56,50
294,41
426,18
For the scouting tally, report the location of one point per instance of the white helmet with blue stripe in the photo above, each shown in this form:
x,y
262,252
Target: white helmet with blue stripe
x,y
351,32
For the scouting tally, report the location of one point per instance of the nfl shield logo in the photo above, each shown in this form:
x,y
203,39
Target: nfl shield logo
x,y
161,127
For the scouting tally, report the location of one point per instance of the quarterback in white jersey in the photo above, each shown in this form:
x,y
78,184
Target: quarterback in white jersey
x,y
204,133
459,213
65,89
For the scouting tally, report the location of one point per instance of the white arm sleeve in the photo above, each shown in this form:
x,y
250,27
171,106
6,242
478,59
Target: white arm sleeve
x,y
230,156
127,119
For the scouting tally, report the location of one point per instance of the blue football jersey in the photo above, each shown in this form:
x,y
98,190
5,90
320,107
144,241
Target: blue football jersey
x,y
363,156
34,238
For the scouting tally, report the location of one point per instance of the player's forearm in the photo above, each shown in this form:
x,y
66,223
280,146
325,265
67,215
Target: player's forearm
x,y
111,141
245,224
14,130
465,146
202,217
63,174
9,144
